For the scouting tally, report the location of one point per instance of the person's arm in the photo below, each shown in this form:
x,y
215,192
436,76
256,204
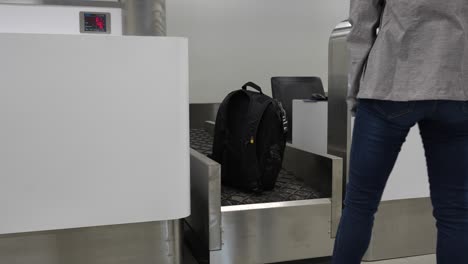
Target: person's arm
x,y
365,18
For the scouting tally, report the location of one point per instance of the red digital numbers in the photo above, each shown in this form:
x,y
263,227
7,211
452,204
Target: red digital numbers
x,y
100,23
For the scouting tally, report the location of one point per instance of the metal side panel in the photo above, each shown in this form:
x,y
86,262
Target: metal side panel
x,y
205,220
312,168
339,118
144,17
337,194
146,243
403,228
274,232
324,172
209,127
199,113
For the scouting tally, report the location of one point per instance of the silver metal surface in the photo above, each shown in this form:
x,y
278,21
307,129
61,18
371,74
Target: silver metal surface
x,y
200,113
403,228
337,193
145,243
268,233
95,3
108,23
205,221
339,118
210,127
144,17
312,168
324,172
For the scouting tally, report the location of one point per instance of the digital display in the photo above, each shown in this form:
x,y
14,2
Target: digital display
x,y
94,23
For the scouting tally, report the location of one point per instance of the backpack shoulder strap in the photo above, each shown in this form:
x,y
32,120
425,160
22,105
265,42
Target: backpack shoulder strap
x,y
221,132
258,104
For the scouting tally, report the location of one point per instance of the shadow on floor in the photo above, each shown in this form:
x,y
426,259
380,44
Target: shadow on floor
x,y
311,261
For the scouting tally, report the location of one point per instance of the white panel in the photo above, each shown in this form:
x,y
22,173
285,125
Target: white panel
x,y
46,19
94,131
310,126
235,41
409,177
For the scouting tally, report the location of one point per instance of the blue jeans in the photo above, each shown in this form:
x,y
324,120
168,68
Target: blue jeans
x,y
380,129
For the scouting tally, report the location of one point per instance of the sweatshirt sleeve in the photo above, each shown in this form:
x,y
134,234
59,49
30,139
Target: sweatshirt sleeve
x,y
365,18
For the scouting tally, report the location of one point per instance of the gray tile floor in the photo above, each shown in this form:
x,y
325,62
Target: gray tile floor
x,y
429,259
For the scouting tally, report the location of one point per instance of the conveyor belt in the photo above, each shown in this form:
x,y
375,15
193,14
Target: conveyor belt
x,y
288,188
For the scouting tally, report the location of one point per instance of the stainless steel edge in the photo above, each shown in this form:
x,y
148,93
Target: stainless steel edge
x,y
64,3
205,221
210,127
339,118
314,169
152,243
337,193
268,233
403,228
324,172
276,205
144,17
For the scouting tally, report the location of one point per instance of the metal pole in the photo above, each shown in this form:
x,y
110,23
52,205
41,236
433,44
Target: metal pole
x,y
144,17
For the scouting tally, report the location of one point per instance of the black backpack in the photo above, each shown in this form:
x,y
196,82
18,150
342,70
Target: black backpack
x,y
249,140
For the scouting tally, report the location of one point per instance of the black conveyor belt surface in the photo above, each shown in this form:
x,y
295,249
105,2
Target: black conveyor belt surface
x,y
288,188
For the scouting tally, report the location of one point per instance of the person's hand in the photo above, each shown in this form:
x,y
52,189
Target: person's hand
x,y
353,105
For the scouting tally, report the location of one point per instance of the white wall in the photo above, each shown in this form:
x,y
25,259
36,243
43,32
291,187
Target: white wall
x,y
234,41
80,131
47,19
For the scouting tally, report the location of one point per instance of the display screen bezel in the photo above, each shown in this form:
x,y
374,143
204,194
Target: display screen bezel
x,y
82,23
